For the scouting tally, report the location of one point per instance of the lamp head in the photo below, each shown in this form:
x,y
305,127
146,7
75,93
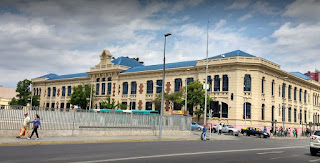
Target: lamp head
x,y
166,35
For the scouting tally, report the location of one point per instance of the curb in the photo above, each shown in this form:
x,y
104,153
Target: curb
x,y
93,141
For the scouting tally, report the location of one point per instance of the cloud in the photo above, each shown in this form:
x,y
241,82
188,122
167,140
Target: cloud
x,y
304,10
239,4
221,23
245,17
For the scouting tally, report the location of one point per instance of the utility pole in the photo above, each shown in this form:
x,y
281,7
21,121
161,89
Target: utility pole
x,y
206,86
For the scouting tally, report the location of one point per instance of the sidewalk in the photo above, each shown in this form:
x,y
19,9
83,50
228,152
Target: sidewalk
x,y
110,139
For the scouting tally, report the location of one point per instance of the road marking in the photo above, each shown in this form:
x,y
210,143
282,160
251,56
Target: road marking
x,y
272,152
284,157
317,160
184,154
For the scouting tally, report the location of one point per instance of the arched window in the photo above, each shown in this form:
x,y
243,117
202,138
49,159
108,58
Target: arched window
x,y
159,86
125,88
225,83
247,110
49,92
272,88
272,114
177,84
295,115
262,112
247,82
295,93
283,90
224,110
97,88
216,83
189,80
150,86
103,89
283,113
289,92
300,95
289,114
305,96
133,87
209,82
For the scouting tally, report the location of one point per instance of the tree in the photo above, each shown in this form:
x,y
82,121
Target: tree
x,y
36,100
24,93
80,95
198,112
175,98
109,104
196,95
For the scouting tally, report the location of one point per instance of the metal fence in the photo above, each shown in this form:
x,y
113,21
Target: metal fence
x,y
11,118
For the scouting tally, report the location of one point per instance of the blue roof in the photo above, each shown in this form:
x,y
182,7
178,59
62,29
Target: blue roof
x,y
55,76
300,75
125,61
160,66
233,54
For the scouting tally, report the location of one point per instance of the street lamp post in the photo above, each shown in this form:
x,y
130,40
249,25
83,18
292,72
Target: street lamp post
x,y
206,87
31,96
91,93
163,81
185,101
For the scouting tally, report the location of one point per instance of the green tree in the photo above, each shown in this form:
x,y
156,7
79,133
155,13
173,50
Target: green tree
x,y
175,98
198,112
80,95
36,100
24,93
196,95
109,103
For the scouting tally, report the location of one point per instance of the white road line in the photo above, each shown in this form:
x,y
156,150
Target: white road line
x,y
184,154
272,152
275,158
317,160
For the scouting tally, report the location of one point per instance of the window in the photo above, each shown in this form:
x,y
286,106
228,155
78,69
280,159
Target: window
x,y
214,105
34,91
262,112
295,115
283,113
159,86
224,110
125,88
63,91
103,91
97,88
98,80
305,96
189,80
216,83
2,106
150,86
62,105
289,92
247,110
38,91
148,105
109,78
247,82
295,93
49,92
272,88
225,83
109,88
300,95
132,105
69,90
47,106
176,106
209,80
125,104
133,87
262,85
68,107
177,84
289,114
52,106
103,79
272,114
54,92
283,90
305,116
300,117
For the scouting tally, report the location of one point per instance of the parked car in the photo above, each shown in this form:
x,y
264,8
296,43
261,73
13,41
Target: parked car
x,y
247,131
315,143
226,129
196,126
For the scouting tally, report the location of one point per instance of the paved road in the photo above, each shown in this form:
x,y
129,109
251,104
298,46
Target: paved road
x,y
245,149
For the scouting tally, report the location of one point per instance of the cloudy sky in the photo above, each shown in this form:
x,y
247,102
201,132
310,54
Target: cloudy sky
x,y
40,37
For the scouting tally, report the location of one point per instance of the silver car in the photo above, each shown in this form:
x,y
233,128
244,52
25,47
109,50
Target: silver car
x,y
196,126
315,143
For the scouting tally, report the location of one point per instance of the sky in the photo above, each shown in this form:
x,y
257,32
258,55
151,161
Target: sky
x,y
38,37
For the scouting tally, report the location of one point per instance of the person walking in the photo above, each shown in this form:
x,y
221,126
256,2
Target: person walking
x,y
265,129
204,133
26,126
36,124
220,128
296,131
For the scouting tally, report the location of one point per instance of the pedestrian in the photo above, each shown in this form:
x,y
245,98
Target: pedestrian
x,y
271,131
289,132
36,124
204,133
26,126
296,132
265,129
220,129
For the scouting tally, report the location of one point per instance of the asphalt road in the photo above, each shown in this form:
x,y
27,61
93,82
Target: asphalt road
x,y
246,149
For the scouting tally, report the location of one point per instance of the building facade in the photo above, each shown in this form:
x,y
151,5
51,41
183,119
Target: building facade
x,y
248,90
6,94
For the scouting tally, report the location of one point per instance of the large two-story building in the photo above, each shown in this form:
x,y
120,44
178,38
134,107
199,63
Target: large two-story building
x,y
240,82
